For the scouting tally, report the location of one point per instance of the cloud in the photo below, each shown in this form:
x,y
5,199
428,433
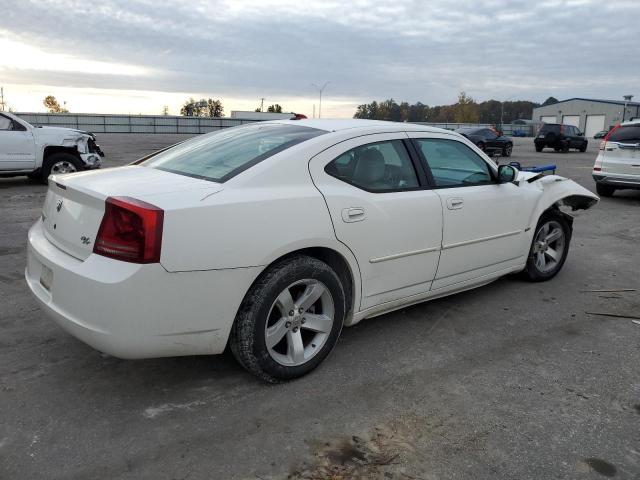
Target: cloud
x,y
409,49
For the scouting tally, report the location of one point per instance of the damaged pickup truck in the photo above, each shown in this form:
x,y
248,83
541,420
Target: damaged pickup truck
x,y
40,151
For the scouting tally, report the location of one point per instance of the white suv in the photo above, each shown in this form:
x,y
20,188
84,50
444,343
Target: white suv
x,y
41,151
617,166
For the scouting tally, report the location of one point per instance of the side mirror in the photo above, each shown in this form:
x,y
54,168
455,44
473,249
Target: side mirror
x,y
507,173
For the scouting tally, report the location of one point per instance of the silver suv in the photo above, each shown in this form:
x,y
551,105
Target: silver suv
x,y
617,166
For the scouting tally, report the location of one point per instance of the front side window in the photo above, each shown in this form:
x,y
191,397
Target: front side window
x,y
376,167
221,155
5,123
453,164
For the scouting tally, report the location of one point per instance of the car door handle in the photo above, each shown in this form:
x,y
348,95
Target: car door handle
x,y
455,203
353,214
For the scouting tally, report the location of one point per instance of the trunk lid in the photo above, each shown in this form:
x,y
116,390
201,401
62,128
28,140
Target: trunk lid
x,y
75,203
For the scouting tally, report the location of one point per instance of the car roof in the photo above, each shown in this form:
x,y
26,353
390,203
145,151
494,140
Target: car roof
x,y
340,124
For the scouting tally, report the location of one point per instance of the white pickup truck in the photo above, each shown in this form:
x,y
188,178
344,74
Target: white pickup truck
x,y
41,151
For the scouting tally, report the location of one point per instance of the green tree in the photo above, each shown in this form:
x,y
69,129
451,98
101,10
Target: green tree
x,y
274,108
214,108
165,110
52,105
549,101
466,110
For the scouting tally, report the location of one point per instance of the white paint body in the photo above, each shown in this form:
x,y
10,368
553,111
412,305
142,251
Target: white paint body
x,y
23,150
219,237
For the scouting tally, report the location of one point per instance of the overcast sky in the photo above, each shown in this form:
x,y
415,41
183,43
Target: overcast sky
x,y
137,55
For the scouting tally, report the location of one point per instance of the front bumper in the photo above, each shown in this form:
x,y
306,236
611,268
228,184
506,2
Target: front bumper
x,y
135,311
618,180
91,160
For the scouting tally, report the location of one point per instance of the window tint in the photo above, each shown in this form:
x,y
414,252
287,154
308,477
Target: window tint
x,y
5,123
376,167
453,164
489,134
627,133
550,127
223,154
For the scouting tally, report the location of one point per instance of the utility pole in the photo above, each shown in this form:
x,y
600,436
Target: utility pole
x,y
314,110
627,99
1,99
320,90
262,104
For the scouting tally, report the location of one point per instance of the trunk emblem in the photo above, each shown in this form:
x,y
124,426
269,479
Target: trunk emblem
x,y
85,240
59,206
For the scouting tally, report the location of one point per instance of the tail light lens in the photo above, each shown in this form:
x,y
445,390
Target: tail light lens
x,y
131,231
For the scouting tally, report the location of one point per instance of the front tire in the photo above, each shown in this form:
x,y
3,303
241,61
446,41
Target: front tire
x,y
60,163
507,150
549,247
480,145
290,319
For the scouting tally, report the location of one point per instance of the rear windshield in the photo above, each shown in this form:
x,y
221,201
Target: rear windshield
x,y
221,155
550,127
626,133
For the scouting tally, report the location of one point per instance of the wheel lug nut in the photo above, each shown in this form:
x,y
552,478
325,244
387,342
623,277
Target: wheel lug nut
x,y
304,320
288,324
291,313
301,310
295,329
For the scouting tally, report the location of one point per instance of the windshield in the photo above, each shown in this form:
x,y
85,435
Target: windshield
x,y
221,155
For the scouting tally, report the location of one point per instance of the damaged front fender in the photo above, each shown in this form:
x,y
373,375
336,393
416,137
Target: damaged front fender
x,y
560,193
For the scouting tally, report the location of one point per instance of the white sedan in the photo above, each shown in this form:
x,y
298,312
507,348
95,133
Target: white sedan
x,y
270,237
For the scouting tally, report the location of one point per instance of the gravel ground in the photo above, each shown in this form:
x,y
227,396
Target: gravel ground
x,y
512,380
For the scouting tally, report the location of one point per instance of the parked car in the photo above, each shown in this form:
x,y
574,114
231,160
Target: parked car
x,y
270,237
40,151
600,134
488,140
617,165
560,137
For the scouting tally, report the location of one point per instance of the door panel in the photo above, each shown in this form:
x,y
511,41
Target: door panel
x,y
395,235
483,223
17,150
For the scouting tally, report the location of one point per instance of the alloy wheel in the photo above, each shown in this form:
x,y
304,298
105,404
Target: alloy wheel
x,y
300,322
549,245
63,166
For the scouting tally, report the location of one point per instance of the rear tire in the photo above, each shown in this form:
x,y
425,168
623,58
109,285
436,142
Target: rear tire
x,y
549,247
277,335
60,163
565,147
605,190
583,148
539,148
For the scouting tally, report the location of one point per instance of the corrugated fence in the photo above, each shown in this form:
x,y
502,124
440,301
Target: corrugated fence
x,y
99,123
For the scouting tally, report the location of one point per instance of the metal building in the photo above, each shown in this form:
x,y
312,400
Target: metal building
x,y
589,115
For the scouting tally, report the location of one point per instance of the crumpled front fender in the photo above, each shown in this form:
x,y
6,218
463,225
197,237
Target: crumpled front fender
x,y
561,193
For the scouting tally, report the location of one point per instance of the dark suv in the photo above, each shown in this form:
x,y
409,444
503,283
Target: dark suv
x,y
560,138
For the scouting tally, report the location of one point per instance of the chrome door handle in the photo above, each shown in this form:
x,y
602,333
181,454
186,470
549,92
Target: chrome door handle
x,y
353,214
455,203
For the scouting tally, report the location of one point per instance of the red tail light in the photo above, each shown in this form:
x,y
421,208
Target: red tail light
x,y
561,128
131,231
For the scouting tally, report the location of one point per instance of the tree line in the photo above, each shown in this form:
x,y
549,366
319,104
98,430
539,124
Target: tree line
x,y
465,110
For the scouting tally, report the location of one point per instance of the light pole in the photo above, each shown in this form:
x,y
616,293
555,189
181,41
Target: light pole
x,y
627,99
320,90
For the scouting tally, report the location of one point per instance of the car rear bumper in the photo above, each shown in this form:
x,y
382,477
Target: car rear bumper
x,y
618,180
135,311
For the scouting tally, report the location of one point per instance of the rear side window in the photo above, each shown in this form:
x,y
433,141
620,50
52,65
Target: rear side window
x,y
626,134
453,164
549,128
376,167
221,155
